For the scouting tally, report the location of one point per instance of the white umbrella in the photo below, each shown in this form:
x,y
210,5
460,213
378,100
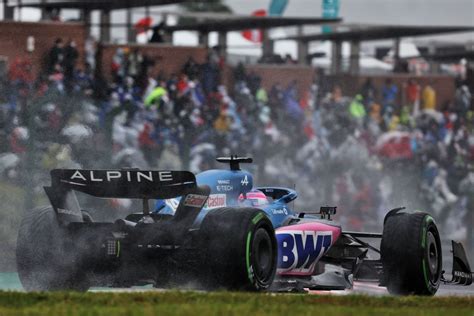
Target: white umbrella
x,y
77,132
407,49
365,62
8,161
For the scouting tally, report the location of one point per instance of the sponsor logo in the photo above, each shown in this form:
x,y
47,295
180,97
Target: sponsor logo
x,y
216,200
244,181
172,204
298,251
129,176
67,212
224,186
461,274
195,200
280,211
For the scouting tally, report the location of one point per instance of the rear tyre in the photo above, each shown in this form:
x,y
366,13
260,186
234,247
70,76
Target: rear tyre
x,y
411,254
45,259
241,249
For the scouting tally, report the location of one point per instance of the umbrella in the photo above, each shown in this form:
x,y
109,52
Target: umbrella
x,y
255,36
429,114
8,161
394,145
77,132
143,24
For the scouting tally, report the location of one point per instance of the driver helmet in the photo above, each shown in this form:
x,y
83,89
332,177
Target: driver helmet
x,y
253,198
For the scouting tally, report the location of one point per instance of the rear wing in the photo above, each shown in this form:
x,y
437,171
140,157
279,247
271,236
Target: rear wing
x,y
128,183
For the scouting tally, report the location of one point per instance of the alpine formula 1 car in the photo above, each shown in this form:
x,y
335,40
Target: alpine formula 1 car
x,y
217,230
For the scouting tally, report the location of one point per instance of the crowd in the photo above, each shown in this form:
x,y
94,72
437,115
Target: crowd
x,y
379,149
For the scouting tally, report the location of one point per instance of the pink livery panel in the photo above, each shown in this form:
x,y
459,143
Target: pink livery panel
x,y
300,246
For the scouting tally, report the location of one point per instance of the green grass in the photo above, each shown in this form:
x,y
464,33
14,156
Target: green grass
x,y
225,303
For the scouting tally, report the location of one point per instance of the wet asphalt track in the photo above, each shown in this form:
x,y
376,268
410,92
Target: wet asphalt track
x,y
10,282
444,290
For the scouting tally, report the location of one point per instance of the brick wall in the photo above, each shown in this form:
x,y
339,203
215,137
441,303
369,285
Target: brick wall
x,y
284,75
13,37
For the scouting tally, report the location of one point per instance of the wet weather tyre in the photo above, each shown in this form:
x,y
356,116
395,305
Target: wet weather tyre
x,y
45,259
411,254
241,249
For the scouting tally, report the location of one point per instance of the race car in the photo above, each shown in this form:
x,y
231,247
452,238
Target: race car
x,y
216,230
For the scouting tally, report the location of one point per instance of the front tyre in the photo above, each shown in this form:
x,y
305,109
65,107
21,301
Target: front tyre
x,y
241,249
411,254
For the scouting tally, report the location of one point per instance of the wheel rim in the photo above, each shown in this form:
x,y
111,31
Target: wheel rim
x,y
263,256
432,256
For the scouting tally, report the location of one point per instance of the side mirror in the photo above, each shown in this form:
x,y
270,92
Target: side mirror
x,y
328,210
325,211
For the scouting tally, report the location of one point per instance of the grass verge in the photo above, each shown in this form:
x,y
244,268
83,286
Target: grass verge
x,y
226,303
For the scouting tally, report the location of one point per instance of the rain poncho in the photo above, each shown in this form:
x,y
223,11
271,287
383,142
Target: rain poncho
x,y
155,94
261,95
291,104
429,98
405,116
222,123
356,108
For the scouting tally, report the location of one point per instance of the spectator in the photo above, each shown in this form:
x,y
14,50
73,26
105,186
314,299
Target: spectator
x,y
57,78
210,75
69,63
375,113
222,123
56,55
389,96
289,60
118,65
147,144
21,76
462,100
191,68
158,33
293,108
357,109
429,97
157,95
239,72
412,93
368,92
261,95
